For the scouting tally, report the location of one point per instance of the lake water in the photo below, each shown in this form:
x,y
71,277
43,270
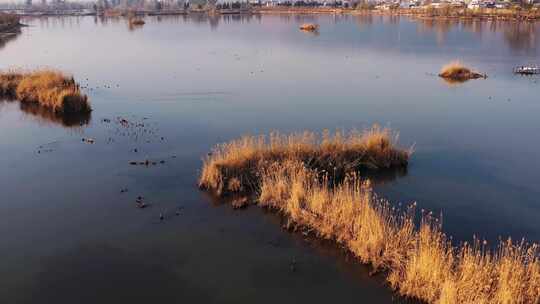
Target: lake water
x,y
70,235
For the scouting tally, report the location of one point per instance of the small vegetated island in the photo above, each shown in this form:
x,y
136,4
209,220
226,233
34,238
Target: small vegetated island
x,y
9,27
50,89
456,72
136,21
315,182
8,22
311,27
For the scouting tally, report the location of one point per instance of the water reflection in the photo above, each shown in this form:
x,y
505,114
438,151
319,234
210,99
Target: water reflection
x,y
5,38
519,36
46,115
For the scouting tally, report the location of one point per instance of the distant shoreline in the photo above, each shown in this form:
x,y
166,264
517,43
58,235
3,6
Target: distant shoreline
x,y
428,13
442,13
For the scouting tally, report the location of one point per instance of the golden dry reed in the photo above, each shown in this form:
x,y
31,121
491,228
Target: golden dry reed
x,y
418,261
235,167
309,27
455,70
49,88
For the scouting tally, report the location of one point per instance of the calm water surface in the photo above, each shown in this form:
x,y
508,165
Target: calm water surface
x,y
70,236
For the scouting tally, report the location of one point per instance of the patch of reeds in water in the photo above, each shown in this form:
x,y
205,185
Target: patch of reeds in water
x,y
235,167
309,27
456,72
419,262
48,88
314,182
8,21
136,21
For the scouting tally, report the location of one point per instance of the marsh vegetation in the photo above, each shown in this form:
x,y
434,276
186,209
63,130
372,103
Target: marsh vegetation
x,y
49,88
309,27
235,167
8,22
456,71
315,183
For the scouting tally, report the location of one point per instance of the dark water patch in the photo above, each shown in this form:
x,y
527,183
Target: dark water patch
x,y
49,116
93,272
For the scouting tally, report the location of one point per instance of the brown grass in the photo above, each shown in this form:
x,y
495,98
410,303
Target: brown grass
x,y
235,167
419,263
294,174
8,84
7,21
309,27
457,71
48,88
136,21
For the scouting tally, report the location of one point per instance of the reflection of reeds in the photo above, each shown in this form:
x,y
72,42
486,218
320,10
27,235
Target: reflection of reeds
x,y
48,115
9,28
48,88
235,166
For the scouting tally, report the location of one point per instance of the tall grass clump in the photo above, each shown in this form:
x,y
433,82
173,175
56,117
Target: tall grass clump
x,y
457,71
8,84
235,167
48,88
309,27
315,183
419,262
8,21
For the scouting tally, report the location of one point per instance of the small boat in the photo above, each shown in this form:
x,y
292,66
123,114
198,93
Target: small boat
x,y
527,70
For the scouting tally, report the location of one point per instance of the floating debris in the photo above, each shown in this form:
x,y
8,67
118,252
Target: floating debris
x,y
293,265
527,70
146,163
139,202
88,140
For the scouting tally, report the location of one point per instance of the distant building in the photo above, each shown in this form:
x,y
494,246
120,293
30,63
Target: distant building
x,y
28,3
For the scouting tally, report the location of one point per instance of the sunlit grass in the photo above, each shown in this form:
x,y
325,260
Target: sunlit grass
x,y
457,71
235,167
49,88
418,262
313,181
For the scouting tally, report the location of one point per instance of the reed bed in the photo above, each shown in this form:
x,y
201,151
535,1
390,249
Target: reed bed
x,y
314,182
419,262
235,167
48,88
309,27
136,21
8,21
458,72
